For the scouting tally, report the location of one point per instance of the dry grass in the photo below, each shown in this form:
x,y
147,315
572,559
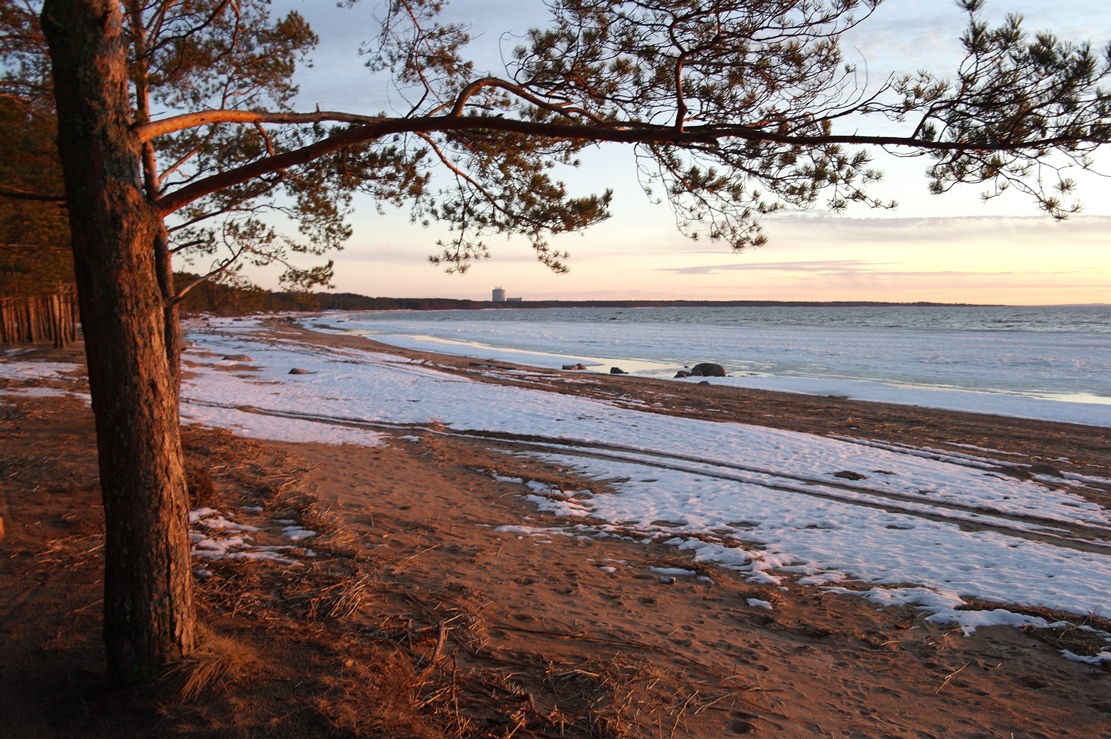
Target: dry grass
x,y
1079,641
475,690
216,666
374,695
327,593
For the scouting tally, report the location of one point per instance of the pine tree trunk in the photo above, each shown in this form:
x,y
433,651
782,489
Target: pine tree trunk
x,y
7,325
32,321
57,327
149,617
163,266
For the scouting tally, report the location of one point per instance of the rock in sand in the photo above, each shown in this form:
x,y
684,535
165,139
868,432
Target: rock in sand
x,y
708,369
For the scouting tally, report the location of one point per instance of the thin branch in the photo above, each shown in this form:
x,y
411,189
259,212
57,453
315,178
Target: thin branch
x,y
181,162
521,92
188,245
205,278
488,196
266,139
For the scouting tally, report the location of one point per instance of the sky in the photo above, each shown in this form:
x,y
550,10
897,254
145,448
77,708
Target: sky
x,y
950,248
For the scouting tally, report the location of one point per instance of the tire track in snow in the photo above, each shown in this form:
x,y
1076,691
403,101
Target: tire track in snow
x,y
1081,537
1084,537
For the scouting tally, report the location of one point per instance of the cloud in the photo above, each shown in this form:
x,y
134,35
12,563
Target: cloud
x,y
940,230
863,268
820,266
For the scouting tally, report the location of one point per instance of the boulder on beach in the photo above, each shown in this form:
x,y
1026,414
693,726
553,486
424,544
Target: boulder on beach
x,y
299,371
707,369
617,371
579,366
682,373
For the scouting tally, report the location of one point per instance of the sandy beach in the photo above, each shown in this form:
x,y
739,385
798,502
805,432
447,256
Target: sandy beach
x,y
409,613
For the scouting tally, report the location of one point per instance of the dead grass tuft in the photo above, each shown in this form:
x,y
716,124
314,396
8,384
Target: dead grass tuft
x,y
215,668
1086,635
763,593
202,493
328,597
1076,639
374,695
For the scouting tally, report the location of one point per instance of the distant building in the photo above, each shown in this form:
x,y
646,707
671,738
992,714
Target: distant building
x,y
499,294
513,300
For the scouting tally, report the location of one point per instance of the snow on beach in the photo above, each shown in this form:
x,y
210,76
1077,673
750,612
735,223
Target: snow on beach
x,y
764,502
922,528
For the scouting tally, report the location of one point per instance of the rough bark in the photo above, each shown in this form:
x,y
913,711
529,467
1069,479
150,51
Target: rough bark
x,y
148,603
163,265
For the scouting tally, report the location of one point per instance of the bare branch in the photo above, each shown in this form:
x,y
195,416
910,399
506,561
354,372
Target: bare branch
x,y
154,129
205,278
691,136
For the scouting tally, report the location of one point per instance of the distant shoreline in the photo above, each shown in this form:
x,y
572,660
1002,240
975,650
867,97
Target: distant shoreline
x,y
354,301
230,300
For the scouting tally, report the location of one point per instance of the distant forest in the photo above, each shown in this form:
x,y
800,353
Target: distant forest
x,y
227,300
231,300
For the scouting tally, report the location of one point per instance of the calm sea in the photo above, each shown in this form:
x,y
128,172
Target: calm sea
x,y
1059,352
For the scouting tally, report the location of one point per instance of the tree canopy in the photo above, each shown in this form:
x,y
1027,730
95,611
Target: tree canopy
x,y
34,233
736,110
34,230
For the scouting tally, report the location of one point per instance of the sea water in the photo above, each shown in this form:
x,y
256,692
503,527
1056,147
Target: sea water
x,y
1059,353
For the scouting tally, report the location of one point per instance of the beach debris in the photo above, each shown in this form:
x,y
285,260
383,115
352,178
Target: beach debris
x,y
236,358
579,366
850,475
674,572
1045,469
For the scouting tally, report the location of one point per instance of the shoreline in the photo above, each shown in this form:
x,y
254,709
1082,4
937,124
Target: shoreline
x,y
1075,447
916,378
